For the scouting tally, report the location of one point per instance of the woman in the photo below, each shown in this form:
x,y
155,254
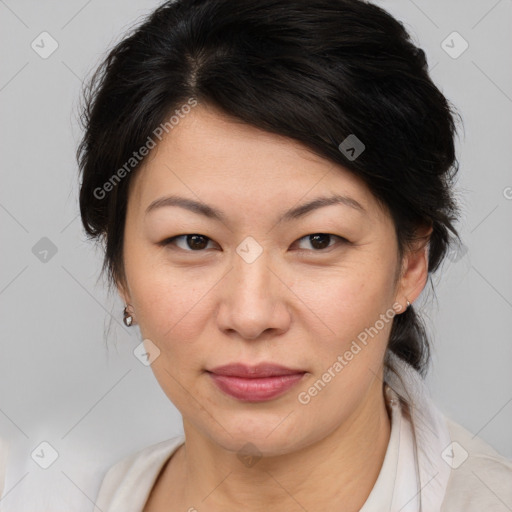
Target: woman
x,y
273,184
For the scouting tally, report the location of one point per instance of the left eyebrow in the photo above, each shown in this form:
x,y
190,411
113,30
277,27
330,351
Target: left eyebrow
x,y
219,215
321,202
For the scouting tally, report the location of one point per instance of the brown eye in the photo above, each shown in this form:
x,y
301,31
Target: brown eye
x,y
192,242
320,241
197,241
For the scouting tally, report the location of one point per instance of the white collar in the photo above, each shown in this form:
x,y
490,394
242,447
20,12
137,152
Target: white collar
x,y
381,495
421,474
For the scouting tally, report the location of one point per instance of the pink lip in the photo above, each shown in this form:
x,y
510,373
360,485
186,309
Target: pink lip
x,y
255,383
257,371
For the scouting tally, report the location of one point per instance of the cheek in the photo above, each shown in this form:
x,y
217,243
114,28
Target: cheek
x,y
170,303
346,301
348,344
172,315
350,329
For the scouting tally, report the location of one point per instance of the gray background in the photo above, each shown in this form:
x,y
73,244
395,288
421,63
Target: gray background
x,y
95,402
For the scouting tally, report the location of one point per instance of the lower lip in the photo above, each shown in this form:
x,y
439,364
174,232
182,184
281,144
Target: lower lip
x,y
256,390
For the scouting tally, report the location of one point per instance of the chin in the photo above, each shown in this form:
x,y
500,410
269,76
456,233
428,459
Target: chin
x,y
259,437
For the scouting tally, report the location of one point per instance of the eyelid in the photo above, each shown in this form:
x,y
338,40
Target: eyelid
x,y
341,240
171,241
325,250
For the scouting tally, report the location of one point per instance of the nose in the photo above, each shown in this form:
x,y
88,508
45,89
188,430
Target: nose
x,y
253,300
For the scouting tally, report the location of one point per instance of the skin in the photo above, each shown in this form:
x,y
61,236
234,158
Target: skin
x,y
295,305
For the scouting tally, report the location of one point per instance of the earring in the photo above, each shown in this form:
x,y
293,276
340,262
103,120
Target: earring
x,y
127,318
408,304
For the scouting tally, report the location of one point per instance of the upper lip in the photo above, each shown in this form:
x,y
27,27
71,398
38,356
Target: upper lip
x,y
257,371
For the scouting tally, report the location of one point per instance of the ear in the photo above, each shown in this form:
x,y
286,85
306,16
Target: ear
x,y
414,268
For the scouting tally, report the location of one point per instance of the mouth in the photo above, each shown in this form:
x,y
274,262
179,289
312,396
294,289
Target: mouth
x,y
255,383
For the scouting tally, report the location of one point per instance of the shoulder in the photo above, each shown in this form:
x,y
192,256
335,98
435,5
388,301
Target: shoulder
x,y
134,473
480,479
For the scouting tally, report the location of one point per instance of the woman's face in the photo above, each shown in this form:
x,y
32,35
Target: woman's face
x,y
255,287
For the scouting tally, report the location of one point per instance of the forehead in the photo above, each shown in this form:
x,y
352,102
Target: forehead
x,y
210,155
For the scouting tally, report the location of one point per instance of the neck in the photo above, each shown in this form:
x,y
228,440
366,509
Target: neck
x,y
339,471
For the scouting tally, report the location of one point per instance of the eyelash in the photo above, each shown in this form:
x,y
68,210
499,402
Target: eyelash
x,y
171,241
